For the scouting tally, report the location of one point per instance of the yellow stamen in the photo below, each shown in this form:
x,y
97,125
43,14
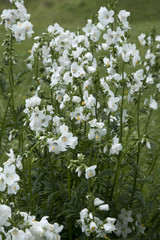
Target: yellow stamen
x,y
83,103
64,139
15,232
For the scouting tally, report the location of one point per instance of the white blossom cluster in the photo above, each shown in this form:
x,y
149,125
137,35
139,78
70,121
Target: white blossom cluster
x,y
71,74
17,20
8,176
30,229
91,224
60,139
125,224
34,230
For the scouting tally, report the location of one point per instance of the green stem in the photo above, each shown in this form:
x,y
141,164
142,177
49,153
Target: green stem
x,y
90,154
52,96
146,128
69,196
138,148
150,169
36,67
11,78
29,182
108,131
121,116
30,175
4,119
115,183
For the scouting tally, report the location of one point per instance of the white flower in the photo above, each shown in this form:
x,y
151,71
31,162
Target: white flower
x,y
104,207
93,226
105,17
13,189
125,216
157,38
55,146
39,120
5,214
90,172
83,214
96,133
151,57
116,146
122,229
33,101
67,139
149,79
11,175
153,104
142,40
78,115
2,182
77,70
123,14
98,201
76,99
79,171
138,75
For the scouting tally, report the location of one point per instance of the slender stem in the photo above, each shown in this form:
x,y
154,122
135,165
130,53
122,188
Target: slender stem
x,y
29,182
90,155
150,169
11,78
108,131
4,119
36,67
30,175
52,96
138,148
69,196
146,128
121,116
115,183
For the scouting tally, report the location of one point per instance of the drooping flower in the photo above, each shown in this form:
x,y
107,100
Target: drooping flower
x,y
90,172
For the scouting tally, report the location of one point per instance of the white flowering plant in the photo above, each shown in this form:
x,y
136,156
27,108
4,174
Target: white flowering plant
x,y
84,146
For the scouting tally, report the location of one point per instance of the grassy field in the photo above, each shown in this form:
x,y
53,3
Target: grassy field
x,y
72,14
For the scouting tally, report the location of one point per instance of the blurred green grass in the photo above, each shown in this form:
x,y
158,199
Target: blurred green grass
x,y
72,14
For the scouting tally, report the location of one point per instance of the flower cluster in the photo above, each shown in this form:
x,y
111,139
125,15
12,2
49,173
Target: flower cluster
x,y
92,225
8,176
125,224
29,229
17,21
